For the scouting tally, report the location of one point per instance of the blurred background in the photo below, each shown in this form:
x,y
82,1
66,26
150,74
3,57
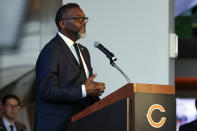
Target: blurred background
x,y
186,62
138,29
25,27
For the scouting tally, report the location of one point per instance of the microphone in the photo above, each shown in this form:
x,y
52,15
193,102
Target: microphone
x,y
111,57
105,51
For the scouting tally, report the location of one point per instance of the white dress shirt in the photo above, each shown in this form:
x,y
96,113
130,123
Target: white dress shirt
x,y
70,43
7,124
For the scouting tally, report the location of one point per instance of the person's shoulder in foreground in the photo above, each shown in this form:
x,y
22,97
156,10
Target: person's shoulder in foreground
x,y
192,126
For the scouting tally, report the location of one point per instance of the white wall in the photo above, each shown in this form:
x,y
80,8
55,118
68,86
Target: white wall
x,y
137,32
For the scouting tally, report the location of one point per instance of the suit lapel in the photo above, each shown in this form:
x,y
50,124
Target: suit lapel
x,y
2,127
67,52
69,55
18,128
85,57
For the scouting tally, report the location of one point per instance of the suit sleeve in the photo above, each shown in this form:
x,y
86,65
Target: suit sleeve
x,y
92,99
49,88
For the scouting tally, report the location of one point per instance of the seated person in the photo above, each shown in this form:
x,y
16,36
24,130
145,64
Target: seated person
x,y
11,108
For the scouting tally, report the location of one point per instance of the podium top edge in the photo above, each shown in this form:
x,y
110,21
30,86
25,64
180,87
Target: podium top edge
x,y
152,88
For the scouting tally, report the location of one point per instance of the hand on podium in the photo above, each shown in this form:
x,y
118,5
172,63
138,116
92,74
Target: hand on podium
x,y
94,88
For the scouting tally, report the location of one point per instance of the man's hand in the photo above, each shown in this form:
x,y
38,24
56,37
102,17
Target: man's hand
x,y
94,88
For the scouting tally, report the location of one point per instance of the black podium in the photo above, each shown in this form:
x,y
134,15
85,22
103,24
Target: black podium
x,y
134,107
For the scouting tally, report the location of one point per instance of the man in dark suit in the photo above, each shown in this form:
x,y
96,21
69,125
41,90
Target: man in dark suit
x,y
64,73
11,108
192,126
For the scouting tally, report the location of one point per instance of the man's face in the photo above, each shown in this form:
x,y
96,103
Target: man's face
x,y
73,26
11,109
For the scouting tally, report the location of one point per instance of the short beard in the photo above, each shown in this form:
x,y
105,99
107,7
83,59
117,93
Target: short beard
x,y
81,35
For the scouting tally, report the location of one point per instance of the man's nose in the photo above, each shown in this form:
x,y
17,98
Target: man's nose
x,y
83,22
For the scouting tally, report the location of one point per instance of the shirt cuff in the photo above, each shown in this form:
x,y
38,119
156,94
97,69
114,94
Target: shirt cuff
x,y
84,94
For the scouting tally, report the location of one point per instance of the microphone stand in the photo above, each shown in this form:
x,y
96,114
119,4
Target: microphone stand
x,y
121,71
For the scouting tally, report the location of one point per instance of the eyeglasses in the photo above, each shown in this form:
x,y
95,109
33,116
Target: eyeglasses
x,y
77,19
13,106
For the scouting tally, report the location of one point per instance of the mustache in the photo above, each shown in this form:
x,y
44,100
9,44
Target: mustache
x,y
83,26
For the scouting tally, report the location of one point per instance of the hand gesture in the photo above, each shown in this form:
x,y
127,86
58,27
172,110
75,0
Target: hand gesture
x,y
94,88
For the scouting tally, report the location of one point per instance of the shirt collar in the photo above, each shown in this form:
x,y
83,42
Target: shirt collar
x,y
7,123
68,41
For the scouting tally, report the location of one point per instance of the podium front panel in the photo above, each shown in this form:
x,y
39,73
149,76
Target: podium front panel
x,y
110,118
155,112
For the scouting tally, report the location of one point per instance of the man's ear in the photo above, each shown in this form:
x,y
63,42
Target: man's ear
x,y
62,24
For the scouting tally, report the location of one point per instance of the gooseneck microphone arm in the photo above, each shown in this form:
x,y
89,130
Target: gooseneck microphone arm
x,y
112,59
121,71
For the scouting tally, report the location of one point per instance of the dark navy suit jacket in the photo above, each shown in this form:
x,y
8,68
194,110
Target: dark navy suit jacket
x,y
59,80
19,126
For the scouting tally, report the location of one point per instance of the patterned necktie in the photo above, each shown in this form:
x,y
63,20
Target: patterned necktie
x,y
78,54
80,61
11,127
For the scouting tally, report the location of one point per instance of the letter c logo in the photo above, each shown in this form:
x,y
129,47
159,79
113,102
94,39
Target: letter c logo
x,y
149,116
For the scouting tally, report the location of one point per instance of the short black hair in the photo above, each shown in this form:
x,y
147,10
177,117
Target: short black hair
x,y
10,96
62,10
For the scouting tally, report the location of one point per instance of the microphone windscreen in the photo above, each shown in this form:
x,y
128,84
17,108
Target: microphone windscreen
x,y
96,43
